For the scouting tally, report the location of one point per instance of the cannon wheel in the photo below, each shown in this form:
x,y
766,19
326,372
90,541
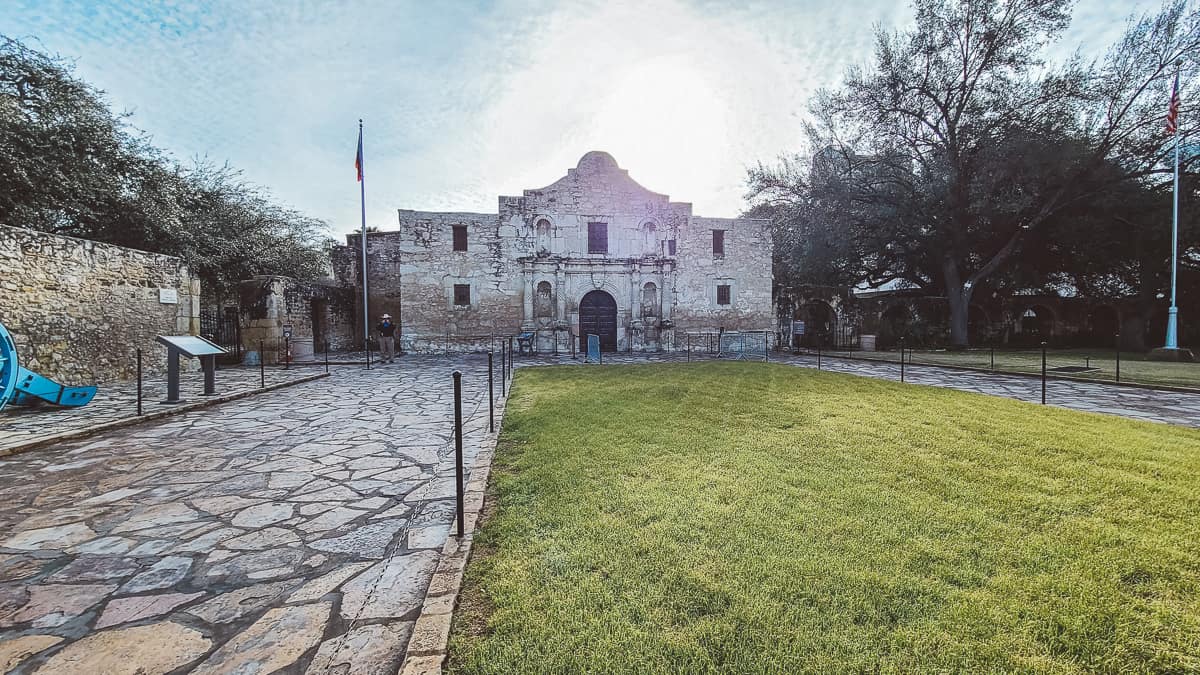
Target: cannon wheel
x,y
8,367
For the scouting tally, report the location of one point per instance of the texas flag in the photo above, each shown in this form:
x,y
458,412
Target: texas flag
x,y
358,161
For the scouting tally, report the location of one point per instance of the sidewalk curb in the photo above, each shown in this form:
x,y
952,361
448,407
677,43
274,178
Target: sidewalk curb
x,y
159,414
429,644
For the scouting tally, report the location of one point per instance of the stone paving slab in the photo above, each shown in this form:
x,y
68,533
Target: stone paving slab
x,y
293,531
117,401
1152,405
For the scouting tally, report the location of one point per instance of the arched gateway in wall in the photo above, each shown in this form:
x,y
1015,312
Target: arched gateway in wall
x,y
598,316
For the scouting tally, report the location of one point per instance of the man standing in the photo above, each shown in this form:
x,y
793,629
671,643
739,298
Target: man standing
x,y
387,339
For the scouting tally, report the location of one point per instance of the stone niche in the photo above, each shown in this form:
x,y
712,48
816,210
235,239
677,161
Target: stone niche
x,y
79,310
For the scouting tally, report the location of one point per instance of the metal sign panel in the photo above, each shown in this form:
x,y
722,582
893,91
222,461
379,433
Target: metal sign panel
x,y
287,330
593,352
798,328
190,345
168,296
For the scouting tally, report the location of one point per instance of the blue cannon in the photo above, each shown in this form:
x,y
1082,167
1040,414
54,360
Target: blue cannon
x,y
22,387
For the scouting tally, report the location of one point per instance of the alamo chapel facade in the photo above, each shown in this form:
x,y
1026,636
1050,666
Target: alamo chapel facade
x,y
592,253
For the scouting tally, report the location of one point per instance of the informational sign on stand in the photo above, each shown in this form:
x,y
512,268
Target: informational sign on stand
x,y
191,346
593,352
797,328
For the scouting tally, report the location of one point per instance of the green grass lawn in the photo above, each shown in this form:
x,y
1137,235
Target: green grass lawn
x,y
726,517
1134,366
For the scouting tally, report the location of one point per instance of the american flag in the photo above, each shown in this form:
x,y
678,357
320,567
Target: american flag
x,y
1173,112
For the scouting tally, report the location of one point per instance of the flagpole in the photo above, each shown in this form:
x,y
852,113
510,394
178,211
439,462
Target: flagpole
x,y
1173,312
362,194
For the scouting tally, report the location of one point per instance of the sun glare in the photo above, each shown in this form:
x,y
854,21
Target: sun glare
x,y
665,122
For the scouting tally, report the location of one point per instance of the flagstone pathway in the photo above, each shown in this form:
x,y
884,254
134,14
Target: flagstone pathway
x,y
296,530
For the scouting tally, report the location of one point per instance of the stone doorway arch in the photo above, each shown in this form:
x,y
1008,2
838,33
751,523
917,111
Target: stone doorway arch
x,y
598,316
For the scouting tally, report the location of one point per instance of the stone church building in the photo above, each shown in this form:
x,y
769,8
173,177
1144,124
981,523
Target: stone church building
x,y
592,253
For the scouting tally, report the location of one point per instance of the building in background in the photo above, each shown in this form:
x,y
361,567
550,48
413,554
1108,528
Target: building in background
x,y
592,253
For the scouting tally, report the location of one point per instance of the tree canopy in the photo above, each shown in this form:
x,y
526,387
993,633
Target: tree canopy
x,y
70,165
962,159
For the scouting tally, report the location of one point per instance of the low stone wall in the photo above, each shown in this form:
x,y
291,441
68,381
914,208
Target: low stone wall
x,y
78,310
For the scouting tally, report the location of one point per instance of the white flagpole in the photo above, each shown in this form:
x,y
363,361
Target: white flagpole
x,y
362,193
1173,312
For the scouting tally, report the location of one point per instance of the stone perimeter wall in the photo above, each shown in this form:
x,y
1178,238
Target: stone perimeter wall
x,y
78,310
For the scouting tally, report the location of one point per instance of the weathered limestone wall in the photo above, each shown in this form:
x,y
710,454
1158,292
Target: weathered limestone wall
x,y
529,266
78,310
316,311
745,268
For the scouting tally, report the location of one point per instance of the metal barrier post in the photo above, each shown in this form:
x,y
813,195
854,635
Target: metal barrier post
x,y
1118,357
992,352
139,367
287,353
818,358
901,359
327,356
1043,373
503,368
458,454
262,365
689,347
491,396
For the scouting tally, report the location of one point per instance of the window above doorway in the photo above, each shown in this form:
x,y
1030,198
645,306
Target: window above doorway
x,y
460,237
597,237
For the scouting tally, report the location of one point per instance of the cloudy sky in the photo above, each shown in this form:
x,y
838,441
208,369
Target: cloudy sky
x,y
463,102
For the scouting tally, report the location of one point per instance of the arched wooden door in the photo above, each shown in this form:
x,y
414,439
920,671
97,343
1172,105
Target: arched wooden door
x,y
598,316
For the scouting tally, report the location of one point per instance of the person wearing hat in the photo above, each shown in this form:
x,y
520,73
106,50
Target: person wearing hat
x,y
387,339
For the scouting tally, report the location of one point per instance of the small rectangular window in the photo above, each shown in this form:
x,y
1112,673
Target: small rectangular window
x,y
460,237
670,247
462,294
718,243
597,237
722,294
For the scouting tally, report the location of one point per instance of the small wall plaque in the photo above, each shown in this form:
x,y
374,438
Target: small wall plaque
x,y
168,296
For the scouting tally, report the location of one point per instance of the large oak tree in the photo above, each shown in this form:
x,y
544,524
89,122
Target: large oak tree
x,y
941,164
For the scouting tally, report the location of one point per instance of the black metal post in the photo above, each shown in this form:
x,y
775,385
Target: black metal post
x,y
327,356
491,396
287,352
1043,373
574,340
209,363
689,347
262,365
139,367
818,358
458,454
901,359
1118,357
503,368
992,352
